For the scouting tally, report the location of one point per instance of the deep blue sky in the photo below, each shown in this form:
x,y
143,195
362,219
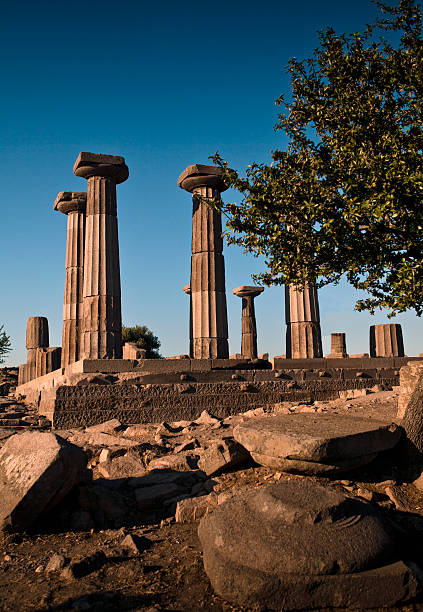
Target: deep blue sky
x,y
165,85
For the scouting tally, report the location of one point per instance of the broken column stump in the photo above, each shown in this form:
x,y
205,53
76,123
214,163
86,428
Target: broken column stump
x,y
300,546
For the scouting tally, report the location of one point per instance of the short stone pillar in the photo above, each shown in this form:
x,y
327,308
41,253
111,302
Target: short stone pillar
x,y
338,346
303,335
48,360
102,335
36,337
187,289
73,205
208,294
386,340
249,329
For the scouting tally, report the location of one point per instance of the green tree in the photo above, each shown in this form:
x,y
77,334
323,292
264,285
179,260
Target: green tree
x,y
144,339
345,197
5,346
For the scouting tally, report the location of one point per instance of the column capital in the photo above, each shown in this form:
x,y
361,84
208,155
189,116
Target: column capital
x,y
247,291
70,201
199,175
88,165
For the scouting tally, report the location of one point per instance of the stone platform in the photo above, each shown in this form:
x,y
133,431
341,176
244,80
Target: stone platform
x,y
88,392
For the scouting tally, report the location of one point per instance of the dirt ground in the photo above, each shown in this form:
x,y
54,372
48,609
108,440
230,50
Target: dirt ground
x,y
168,575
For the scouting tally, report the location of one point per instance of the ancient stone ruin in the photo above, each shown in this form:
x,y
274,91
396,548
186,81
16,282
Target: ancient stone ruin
x,y
206,378
149,441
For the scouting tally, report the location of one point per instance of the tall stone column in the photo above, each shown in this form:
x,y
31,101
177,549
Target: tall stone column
x,y
187,290
303,335
73,205
208,295
249,329
386,340
102,335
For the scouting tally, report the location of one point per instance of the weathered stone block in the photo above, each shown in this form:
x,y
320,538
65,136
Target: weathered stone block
x,y
36,471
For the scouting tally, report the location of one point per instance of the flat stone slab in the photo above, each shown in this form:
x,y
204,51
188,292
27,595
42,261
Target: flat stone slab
x,y
312,468
297,545
320,438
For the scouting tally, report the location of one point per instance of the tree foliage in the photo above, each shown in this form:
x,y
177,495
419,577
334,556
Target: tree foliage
x,y
345,197
5,346
144,338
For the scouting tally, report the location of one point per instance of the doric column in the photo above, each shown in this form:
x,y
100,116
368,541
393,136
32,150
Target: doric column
x,y
303,335
73,205
208,295
102,335
249,329
187,289
386,340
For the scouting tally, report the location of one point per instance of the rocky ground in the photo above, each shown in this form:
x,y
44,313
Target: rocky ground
x,y
126,537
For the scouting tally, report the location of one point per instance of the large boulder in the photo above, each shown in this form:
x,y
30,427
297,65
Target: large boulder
x,y
36,471
297,545
315,443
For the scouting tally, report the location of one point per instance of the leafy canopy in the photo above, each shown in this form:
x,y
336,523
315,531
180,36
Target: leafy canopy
x,y
5,346
144,339
345,197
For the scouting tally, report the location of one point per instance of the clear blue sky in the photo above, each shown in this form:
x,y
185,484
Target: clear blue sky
x,y
165,85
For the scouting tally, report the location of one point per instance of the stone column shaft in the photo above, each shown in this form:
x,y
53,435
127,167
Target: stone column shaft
x,y
386,340
102,332
338,345
208,295
73,204
303,334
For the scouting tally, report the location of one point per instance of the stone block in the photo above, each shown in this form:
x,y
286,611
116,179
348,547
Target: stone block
x,y
316,437
130,350
37,470
48,360
222,454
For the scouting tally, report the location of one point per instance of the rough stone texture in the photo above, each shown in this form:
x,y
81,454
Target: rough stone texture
x,y
208,296
102,336
298,545
36,471
73,204
222,454
318,438
132,351
386,340
47,360
303,335
249,329
338,346
409,375
193,508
